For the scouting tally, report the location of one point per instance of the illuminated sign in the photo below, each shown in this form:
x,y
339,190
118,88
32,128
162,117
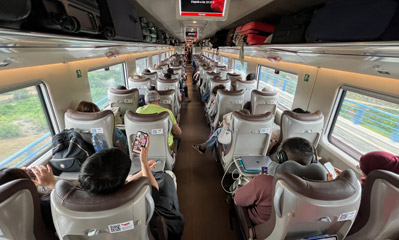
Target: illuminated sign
x,y
205,8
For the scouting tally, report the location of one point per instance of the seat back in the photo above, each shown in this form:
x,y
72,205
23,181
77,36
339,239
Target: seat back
x,y
166,84
226,83
153,76
158,71
164,67
247,86
303,208
218,68
223,72
262,102
233,78
124,214
20,214
177,70
86,123
304,125
379,209
158,126
227,101
124,99
141,83
167,99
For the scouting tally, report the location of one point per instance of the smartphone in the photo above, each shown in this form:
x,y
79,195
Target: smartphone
x,y
264,170
330,169
31,174
139,141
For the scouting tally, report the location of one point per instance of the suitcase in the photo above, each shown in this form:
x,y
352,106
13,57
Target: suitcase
x,y
351,20
255,33
120,20
236,35
292,29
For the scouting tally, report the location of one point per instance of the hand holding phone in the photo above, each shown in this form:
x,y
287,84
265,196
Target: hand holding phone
x,y
139,141
330,169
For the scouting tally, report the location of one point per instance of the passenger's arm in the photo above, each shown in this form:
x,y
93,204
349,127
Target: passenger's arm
x,y
245,196
176,129
151,164
44,176
145,169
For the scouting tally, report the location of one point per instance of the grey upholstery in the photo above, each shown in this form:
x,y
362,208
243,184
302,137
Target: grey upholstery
x,y
247,86
78,214
214,83
153,76
167,84
303,208
158,126
124,99
313,171
103,123
218,68
20,214
227,101
141,83
233,78
168,98
223,72
262,102
378,216
250,137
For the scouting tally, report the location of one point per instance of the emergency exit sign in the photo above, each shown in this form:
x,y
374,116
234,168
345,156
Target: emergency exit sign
x,y
306,78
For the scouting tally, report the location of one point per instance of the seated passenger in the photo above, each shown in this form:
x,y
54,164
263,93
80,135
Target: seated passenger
x,y
250,76
211,107
43,177
120,138
152,101
168,76
146,70
106,171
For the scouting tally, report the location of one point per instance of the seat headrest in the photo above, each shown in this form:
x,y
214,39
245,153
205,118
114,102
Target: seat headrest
x,y
137,117
389,176
234,74
255,118
311,171
123,91
10,188
166,92
213,73
266,94
304,116
247,81
140,79
88,116
232,93
164,80
149,74
343,187
220,80
76,199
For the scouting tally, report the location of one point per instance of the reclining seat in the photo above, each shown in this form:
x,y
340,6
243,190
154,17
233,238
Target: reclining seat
x,y
379,208
223,72
215,82
20,214
227,101
86,123
206,81
168,99
124,214
153,76
250,137
247,86
164,67
141,83
313,171
262,102
303,208
124,99
158,126
233,78
218,68
158,70
167,84
177,70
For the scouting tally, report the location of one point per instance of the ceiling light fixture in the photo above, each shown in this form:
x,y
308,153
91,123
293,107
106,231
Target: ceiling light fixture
x,y
194,21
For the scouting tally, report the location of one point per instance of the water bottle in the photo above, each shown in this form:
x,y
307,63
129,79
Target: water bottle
x,y
98,143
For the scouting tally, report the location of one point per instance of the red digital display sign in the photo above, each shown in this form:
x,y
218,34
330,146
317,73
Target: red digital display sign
x,y
206,8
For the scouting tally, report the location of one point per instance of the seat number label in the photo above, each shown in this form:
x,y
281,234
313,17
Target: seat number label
x,y
347,216
121,227
265,130
167,101
157,131
97,130
128,100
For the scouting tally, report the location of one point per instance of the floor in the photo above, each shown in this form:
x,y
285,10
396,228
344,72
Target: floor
x,y
202,200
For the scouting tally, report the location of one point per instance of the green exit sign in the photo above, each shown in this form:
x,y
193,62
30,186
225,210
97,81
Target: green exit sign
x,y
306,78
78,73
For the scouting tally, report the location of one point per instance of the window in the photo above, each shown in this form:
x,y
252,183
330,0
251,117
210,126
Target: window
x,y
167,54
102,79
162,56
224,61
155,59
239,67
216,58
24,130
364,123
285,83
141,64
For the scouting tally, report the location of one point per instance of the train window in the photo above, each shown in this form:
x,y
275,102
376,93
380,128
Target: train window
x,y
285,83
224,60
365,123
167,54
141,64
102,79
239,67
162,56
155,59
216,57
25,133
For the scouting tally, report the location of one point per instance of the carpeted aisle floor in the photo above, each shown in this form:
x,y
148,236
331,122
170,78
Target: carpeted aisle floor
x,y
202,200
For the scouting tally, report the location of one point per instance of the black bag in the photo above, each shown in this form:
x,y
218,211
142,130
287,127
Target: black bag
x,y
219,39
69,151
351,20
14,10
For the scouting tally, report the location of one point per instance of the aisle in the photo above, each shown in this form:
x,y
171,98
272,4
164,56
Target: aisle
x,y
202,200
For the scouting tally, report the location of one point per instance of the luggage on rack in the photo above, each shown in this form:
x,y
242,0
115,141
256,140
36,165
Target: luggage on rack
x,y
351,20
292,29
229,38
392,33
255,33
219,39
14,13
120,20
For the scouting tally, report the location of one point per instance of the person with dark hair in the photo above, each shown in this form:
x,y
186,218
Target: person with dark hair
x,y
250,76
211,107
120,138
167,76
299,110
121,87
170,71
146,70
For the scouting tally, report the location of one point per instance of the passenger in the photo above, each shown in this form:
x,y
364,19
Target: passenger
x,y
167,76
211,107
152,101
121,87
107,171
44,177
250,76
120,138
170,70
146,70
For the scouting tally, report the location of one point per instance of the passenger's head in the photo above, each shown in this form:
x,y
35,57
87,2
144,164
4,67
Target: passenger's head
x,y
168,76
146,70
298,149
85,106
250,76
11,174
300,110
105,172
170,70
216,88
378,160
152,97
121,87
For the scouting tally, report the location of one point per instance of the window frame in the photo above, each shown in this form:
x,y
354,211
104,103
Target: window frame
x,y
224,57
138,59
339,99
234,66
